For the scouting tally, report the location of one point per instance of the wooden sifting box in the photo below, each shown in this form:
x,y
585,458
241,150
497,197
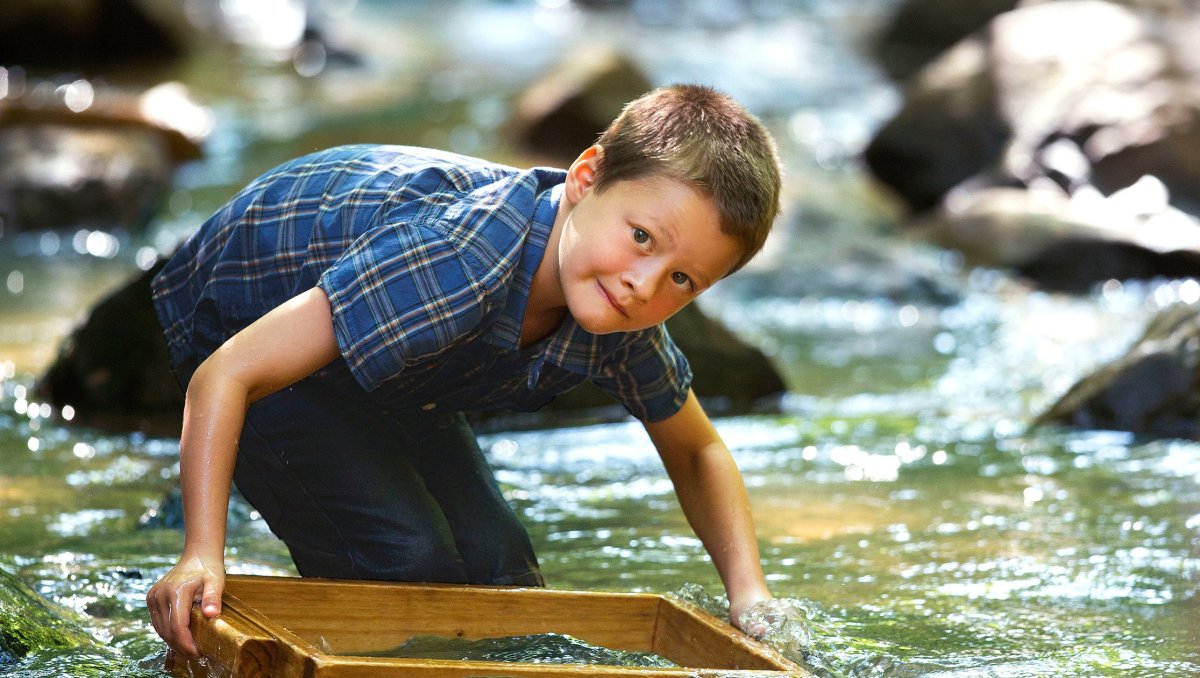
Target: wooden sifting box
x,y
289,627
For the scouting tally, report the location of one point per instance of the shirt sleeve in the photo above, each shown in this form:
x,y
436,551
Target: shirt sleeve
x,y
399,294
650,376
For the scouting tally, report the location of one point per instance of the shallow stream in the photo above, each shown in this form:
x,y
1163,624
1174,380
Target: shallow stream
x,y
899,494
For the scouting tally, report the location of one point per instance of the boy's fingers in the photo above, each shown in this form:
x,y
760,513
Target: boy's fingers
x,y
181,617
756,630
211,603
152,606
160,614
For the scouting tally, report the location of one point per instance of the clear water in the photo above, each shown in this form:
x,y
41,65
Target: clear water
x,y
902,503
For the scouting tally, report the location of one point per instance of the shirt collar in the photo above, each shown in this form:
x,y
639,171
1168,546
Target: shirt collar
x,y
569,346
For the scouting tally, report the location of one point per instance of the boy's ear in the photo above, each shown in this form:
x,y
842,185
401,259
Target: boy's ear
x,y
582,174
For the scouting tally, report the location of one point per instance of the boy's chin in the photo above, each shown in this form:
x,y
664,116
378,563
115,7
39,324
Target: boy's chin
x,y
608,327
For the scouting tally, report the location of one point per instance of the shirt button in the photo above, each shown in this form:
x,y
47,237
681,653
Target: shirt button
x,y
429,406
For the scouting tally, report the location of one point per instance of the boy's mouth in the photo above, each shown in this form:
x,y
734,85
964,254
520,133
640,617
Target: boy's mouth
x,y
611,302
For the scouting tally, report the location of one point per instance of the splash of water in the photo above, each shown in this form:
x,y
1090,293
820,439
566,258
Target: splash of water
x,y
802,631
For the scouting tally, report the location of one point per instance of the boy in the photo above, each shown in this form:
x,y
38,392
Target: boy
x,y
334,319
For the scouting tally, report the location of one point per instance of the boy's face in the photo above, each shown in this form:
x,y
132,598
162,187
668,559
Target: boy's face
x,y
632,256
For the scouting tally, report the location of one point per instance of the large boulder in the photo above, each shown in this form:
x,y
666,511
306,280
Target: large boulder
x,y
1151,390
113,368
81,155
919,31
564,111
1100,125
62,177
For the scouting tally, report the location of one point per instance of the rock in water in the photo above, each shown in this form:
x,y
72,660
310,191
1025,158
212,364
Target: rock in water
x,y
77,154
565,111
67,176
28,624
1104,154
113,369
1151,390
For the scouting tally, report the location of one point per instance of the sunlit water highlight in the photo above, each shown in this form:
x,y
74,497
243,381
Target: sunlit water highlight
x,y
903,505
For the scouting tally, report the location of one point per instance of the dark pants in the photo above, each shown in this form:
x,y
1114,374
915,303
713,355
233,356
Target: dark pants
x,y
358,492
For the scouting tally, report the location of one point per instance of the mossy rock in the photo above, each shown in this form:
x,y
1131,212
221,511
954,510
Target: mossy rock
x,y
28,623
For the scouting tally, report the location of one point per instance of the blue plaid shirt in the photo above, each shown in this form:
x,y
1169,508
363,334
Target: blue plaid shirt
x,y
427,259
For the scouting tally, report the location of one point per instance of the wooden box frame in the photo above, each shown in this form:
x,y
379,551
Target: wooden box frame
x,y
277,626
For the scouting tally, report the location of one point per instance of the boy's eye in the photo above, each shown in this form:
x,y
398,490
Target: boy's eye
x,y
640,236
681,279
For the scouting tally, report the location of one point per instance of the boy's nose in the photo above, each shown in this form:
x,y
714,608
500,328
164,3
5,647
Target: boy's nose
x,y
643,280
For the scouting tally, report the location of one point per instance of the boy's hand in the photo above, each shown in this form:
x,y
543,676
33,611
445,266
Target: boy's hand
x,y
739,605
779,622
193,579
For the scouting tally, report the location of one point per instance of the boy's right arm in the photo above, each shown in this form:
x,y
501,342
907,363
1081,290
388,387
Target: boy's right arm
x,y
284,346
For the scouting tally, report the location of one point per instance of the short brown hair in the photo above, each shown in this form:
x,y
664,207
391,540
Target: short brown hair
x,y
703,138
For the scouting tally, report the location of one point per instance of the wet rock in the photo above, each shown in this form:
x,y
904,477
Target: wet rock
x,y
949,130
167,515
1151,390
1046,238
920,30
729,374
1076,265
1100,127
29,624
83,34
76,156
1168,151
564,111
113,369
59,177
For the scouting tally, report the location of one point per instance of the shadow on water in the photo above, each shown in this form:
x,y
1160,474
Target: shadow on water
x,y
901,501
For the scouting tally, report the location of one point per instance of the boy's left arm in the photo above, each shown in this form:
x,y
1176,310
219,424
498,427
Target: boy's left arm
x,y
714,500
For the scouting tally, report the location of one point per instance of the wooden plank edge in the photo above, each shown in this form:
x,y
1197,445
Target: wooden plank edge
x,y
673,610
230,644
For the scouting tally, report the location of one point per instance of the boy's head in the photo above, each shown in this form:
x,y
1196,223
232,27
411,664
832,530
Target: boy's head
x,y
705,139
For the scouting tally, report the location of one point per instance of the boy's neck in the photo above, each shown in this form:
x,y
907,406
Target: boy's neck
x,y
547,305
